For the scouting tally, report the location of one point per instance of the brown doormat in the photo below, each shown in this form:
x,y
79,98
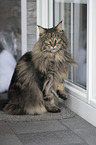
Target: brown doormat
x,y
65,113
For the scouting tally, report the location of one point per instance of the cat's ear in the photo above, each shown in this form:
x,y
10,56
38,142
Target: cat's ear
x,y
41,30
59,26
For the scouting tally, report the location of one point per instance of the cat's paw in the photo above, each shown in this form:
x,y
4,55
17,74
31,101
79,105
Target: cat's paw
x,y
62,95
53,109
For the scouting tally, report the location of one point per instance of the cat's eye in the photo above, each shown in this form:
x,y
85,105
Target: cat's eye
x,y
59,41
44,48
46,43
55,41
50,42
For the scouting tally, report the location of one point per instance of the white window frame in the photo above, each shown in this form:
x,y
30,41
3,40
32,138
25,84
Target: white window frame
x,y
82,102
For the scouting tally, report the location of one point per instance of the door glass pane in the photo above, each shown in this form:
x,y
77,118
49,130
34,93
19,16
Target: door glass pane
x,y
10,26
74,16
80,43
10,40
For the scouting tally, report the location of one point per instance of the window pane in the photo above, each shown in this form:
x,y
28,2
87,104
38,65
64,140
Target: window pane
x,y
80,42
74,16
10,27
10,42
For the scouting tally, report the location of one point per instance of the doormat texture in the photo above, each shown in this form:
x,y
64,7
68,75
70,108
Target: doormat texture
x,y
65,113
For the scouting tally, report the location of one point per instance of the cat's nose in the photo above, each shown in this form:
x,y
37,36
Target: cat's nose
x,y
52,44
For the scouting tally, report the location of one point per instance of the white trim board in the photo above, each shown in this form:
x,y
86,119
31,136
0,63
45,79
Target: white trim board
x,y
24,26
81,108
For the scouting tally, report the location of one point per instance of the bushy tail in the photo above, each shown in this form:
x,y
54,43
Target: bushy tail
x,y
3,102
13,109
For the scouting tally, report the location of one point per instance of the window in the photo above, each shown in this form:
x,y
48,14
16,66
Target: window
x,y
74,16
10,27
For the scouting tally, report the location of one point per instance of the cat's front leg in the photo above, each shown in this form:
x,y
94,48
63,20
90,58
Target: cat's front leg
x,y
51,107
49,102
61,92
48,89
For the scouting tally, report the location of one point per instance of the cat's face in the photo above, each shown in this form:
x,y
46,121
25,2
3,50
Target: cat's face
x,y
52,43
53,40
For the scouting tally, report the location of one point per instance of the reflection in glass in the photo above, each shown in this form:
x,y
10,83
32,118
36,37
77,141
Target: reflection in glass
x,y
10,41
10,27
80,42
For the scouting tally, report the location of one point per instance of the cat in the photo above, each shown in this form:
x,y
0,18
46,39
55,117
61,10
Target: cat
x,y
37,81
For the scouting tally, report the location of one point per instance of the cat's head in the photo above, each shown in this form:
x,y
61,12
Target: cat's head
x,y
52,40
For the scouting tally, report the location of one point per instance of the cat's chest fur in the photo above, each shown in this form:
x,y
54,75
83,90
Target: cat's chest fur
x,y
53,65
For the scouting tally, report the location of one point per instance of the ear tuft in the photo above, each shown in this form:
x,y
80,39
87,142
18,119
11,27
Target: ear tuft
x,y
59,26
41,30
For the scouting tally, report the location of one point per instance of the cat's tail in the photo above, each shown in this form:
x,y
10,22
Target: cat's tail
x,y
13,109
35,110
3,102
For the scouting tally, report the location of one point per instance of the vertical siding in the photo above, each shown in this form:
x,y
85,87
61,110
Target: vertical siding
x,y
31,24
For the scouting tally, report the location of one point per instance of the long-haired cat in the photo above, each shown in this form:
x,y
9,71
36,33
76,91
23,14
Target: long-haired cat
x,y
38,76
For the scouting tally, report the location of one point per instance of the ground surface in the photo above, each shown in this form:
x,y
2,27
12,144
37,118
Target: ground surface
x,y
72,131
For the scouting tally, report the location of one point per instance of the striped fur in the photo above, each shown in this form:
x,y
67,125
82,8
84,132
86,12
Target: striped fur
x,y
38,76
